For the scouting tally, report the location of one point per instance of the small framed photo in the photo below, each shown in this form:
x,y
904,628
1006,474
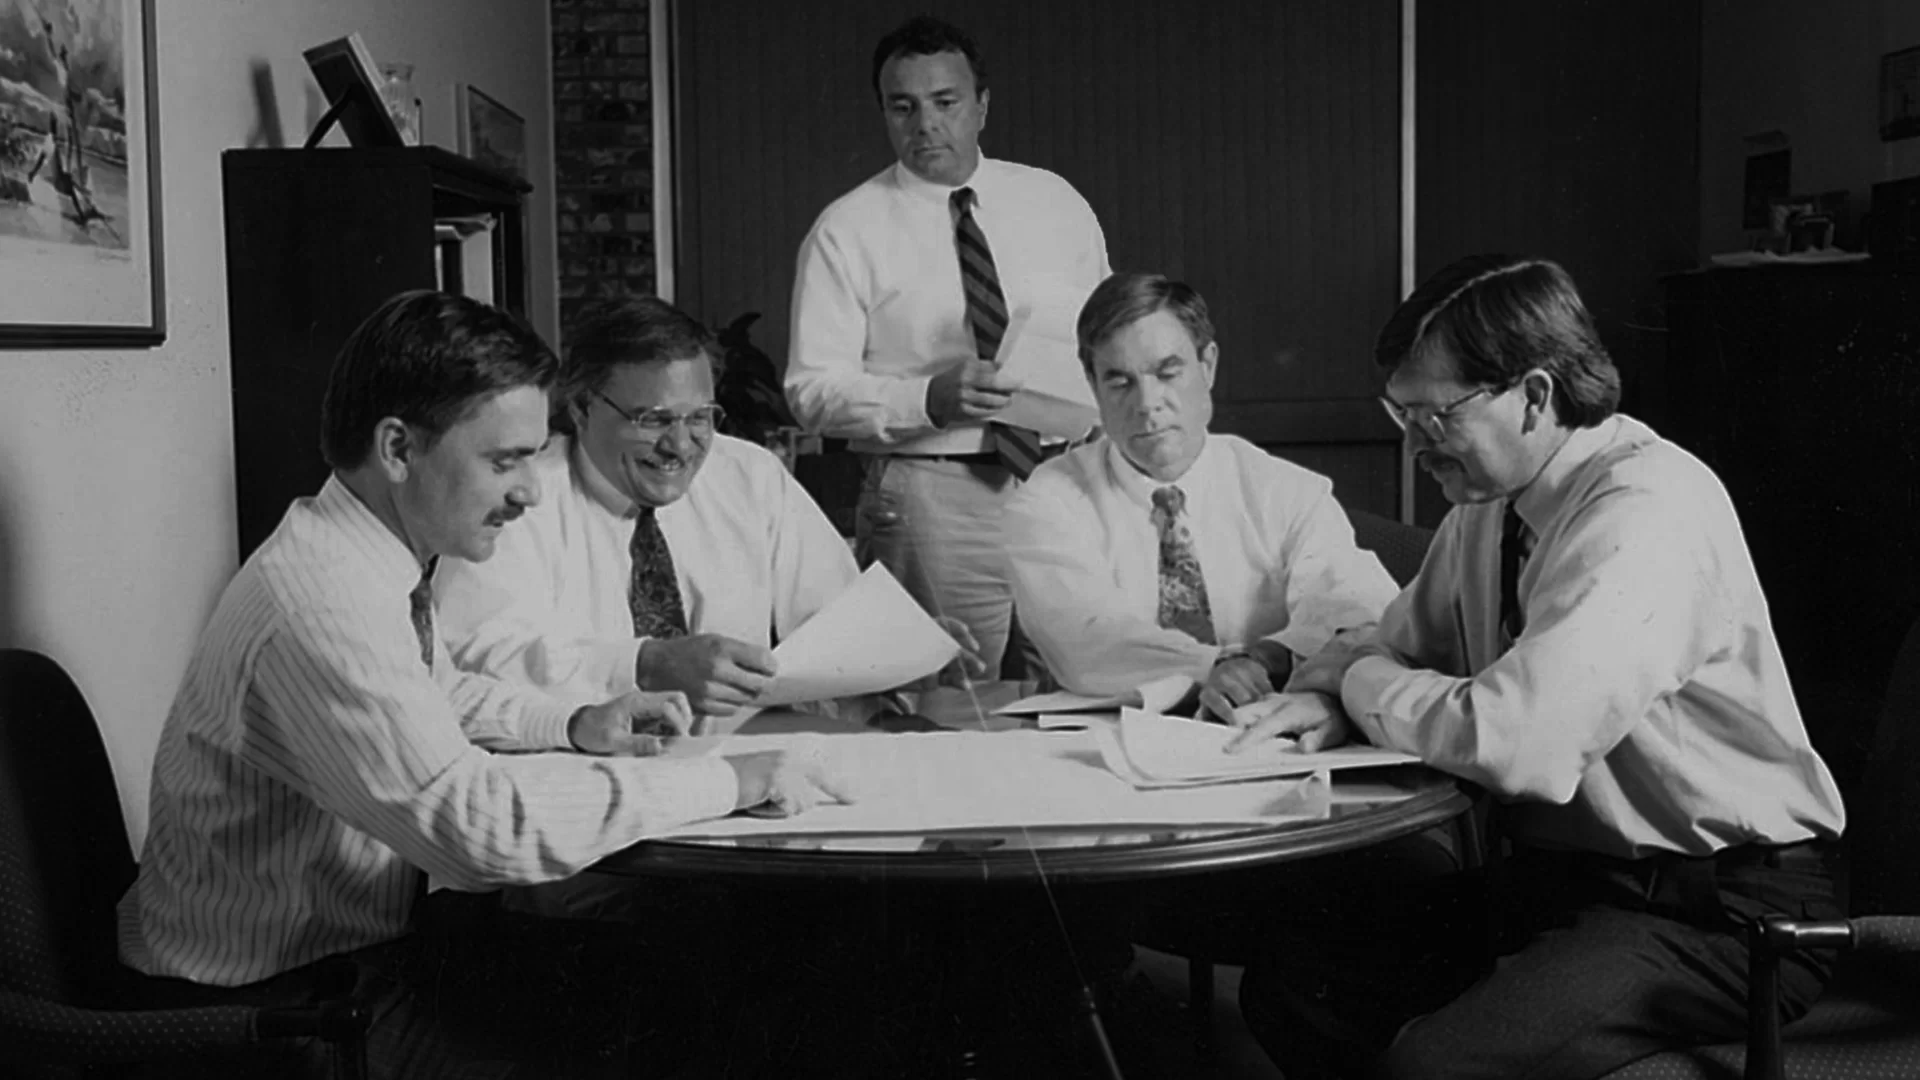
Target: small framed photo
x,y
1900,94
79,176
490,133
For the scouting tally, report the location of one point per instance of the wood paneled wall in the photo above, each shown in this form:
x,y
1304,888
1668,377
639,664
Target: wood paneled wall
x,y
1250,147
1567,129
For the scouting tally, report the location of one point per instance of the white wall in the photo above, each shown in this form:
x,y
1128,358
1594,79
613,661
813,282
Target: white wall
x,y
1811,71
116,467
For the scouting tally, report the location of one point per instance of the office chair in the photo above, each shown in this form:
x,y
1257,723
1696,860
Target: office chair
x,y
64,864
1866,1026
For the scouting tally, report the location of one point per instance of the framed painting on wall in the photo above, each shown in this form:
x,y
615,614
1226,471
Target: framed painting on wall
x,y
80,255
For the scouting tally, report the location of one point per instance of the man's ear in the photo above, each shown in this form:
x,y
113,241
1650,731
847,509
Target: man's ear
x,y
394,448
1210,361
986,98
1537,386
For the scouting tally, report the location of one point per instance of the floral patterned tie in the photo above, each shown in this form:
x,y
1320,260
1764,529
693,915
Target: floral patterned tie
x,y
1183,591
653,593
420,607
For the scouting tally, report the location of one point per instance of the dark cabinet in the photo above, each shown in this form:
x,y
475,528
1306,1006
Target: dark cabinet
x,y
1799,385
316,239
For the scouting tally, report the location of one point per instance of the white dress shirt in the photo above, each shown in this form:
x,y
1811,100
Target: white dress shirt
x,y
1644,706
753,554
1275,549
878,307
312,766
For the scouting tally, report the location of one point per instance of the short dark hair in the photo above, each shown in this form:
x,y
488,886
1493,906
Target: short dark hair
x,y
630,330
924,35
429,359
1127,297
1501,316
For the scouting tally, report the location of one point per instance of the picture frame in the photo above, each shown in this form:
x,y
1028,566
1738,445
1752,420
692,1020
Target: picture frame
x,y
80,207
489,133
1900,94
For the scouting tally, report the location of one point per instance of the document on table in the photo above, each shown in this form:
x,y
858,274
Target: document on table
x,y
958,780
1054,398
1156,696
1153,751
870,638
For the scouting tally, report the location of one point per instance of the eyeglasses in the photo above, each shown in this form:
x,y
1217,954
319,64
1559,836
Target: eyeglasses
x,y
1433,422
653,423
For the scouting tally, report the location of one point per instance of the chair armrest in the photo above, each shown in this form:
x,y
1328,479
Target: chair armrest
x,y
34,1030
1774,937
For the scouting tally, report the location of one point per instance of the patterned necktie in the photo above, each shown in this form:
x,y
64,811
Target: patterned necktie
x,y
1516,543
1183,591
420,607
1019,449
653,593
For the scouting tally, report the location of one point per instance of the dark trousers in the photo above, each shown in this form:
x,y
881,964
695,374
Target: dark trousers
x,y
1605,961
477,992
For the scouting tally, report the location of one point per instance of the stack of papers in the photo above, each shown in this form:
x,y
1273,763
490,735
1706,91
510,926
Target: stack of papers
x,y
1054,398
1157,696
1152,751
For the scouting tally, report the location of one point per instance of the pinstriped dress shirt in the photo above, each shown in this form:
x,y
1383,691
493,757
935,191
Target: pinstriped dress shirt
x,y
312,766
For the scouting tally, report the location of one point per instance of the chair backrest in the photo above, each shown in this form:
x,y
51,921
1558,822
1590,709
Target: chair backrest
x,y
1883,821
1400,548
64,857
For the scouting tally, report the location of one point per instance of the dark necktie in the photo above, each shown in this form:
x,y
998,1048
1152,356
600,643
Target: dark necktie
x,y
1183,591
1516,543
653,593
420,607
1019,449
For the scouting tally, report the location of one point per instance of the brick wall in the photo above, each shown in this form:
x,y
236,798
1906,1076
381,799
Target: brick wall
x,y
603,149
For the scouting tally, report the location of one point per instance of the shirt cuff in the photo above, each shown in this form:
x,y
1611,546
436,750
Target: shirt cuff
x,y
1365,684
546,726
685,790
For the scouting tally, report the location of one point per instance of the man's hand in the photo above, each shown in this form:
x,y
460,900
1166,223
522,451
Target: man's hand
x,y
1313,721
968,664
717,674
635,724
970,390
782,783
1232,683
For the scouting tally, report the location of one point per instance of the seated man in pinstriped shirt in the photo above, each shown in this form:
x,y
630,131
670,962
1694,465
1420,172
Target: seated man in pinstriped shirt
x,y
323,754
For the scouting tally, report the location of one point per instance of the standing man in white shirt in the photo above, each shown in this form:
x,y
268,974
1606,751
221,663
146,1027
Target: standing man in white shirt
x,y
666,556
1588,641
905,289
1164,549
323,755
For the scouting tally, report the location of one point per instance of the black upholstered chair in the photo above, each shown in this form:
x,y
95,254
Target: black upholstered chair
x,y
64,864
1401,549
1867,1024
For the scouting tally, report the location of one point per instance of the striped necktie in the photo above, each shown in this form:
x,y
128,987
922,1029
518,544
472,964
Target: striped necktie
x,y
1516,543
420,609
653,592
1183,591
1019,448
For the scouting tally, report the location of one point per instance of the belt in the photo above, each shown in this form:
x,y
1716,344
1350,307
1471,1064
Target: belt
x,y
1799,855
1048,452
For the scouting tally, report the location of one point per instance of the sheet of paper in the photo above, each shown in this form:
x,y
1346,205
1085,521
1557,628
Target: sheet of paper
x,y
955,781
1054,398
870,638
1159,695
1163,748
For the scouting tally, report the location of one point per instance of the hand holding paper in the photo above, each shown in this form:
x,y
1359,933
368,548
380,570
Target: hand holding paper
x,y
1051,395
1313,721
870,638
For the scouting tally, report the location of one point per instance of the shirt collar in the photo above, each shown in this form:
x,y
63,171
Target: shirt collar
x,y
1541,499
982,183
1139,487
394,564
595,485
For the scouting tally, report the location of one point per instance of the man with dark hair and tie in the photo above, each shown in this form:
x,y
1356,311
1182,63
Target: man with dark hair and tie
x,y
905,289
1164,549
1587,640
666,556
323,756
